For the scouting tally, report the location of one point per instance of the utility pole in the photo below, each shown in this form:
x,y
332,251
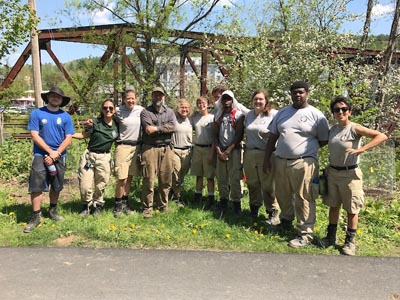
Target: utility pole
x,y
37,78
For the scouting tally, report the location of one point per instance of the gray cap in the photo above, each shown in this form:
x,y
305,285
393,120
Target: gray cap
x,y
158,89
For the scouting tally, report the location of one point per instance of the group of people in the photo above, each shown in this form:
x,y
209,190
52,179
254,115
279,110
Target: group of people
x,y
279,157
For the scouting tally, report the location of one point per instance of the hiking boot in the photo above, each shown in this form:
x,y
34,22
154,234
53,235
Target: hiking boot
x,y
222,207
180,202
126,209
237,208
349,247
54,215
86,211
283,226
164,209
97,210
330,239
118,209
254,212
300,241
273,217
33,222
147,214
197,198
210,202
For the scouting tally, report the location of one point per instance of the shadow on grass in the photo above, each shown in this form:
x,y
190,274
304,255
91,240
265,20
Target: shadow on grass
x,y
21,211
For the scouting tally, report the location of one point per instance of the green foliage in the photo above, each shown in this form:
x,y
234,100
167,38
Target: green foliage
x,y
15,159
298,40
17,20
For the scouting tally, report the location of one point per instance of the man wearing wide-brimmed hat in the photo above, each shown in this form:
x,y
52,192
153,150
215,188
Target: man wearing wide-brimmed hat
x,y
51,131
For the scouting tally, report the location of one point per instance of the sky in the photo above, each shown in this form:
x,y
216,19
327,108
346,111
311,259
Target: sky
x,y
49,10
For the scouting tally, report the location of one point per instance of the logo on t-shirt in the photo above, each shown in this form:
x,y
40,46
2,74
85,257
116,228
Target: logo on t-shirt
x,y
44,121
59,121
114,134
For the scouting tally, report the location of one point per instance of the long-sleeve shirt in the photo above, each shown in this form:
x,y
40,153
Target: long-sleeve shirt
x,y
164,120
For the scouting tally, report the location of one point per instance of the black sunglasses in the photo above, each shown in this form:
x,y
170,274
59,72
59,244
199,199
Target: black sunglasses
x,y
110,108
338,109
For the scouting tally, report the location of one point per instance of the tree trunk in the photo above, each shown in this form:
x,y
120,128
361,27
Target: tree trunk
x,y
367,24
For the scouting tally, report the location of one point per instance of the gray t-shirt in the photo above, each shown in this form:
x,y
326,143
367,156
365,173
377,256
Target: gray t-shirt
x,y
128,123
256,129
227,130
182,137
203,128
299,131
340,139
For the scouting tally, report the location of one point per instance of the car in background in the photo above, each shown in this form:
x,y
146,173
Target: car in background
x,y
16,110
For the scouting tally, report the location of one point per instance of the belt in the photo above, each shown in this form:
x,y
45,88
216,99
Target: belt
x,y
345,168
158,145
300,157
202,146
183,148
99,152
127,143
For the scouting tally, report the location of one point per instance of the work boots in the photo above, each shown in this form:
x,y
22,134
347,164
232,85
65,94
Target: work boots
x,y
125,208
349,247
54,215
33,222
254,212
330,239
237,208
117,210
121,207
85,211
273,217
197,198
210,202
180,202
222,206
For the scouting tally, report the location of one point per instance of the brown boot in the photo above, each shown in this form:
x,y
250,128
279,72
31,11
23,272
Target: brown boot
x,y
54,214
349,247
33,223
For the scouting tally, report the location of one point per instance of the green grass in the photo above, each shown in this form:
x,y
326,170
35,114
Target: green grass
x,y
188,228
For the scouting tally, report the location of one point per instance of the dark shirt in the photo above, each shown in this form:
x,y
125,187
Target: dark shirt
x,y
164,120
102,136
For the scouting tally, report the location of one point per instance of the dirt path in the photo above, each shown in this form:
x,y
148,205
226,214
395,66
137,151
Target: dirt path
x,y
19,190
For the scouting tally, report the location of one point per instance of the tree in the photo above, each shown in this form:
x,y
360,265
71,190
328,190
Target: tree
x,y
367,23
298,40
154,20
17,20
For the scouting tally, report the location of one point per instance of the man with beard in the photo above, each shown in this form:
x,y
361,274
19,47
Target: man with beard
x,y
158,124
299,130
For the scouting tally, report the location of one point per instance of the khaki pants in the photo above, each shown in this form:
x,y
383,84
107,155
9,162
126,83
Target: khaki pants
x,y
94,177
296,192
156,163
181,165
261,186
229,173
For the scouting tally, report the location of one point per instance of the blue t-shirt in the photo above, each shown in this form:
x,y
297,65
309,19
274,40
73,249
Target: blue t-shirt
x,y
52,126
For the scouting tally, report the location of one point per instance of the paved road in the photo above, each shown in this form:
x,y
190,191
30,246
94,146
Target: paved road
x,y
117,274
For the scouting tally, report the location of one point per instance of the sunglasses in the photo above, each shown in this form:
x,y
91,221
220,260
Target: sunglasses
x,y
338,109
110,108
